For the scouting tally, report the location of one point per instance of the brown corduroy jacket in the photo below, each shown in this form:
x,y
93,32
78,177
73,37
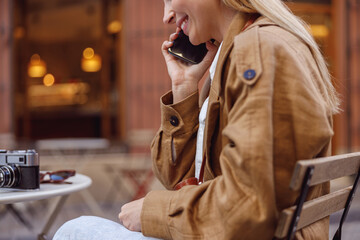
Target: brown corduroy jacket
x,y
265,112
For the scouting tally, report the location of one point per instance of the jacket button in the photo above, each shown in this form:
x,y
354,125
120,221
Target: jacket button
x,y
249,74
174,121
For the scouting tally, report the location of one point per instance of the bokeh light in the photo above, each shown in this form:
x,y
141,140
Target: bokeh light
x,y
49,80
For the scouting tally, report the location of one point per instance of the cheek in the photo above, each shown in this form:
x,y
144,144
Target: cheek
x,y
181,5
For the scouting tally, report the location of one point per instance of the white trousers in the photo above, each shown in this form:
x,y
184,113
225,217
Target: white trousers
x,y
96,228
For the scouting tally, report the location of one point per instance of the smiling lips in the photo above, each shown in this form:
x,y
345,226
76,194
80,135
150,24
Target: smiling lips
x,y
183,23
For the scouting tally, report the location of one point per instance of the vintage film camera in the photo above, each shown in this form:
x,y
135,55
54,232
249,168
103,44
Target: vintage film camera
x,y
19,169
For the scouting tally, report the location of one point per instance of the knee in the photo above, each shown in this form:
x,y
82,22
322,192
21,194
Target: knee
x,y
77,228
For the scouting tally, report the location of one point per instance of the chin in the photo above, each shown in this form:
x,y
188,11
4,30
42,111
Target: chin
x,y
195,41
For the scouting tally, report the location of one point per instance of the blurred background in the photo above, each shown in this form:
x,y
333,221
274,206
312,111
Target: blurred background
x,y
80,81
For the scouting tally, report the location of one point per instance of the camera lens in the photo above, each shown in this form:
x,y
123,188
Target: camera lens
x,y
9,176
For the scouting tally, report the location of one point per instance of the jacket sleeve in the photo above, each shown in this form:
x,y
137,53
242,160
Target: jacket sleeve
x,y
241,198
242,202
173,148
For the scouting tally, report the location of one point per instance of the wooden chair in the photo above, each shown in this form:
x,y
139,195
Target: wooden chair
x,y
308,173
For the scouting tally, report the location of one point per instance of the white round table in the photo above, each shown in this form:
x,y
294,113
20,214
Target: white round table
x,y
47,190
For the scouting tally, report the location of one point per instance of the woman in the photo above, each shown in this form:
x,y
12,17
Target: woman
x,y
268,104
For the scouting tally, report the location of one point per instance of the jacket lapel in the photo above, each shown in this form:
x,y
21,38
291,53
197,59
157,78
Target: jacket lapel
x,y
213,111
234,29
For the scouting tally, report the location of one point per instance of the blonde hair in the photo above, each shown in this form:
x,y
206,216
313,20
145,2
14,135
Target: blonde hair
x,y
280,14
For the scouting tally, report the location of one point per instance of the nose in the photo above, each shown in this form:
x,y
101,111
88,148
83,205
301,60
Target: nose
x,y
169,16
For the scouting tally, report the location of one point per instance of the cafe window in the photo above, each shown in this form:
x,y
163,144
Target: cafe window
x,y
317,14
65,72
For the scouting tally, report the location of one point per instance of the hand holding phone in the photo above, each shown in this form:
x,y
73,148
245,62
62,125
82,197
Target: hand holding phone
x,y
185,77
184,50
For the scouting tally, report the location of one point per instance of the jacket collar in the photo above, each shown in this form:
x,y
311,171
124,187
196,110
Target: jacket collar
x,y
234,29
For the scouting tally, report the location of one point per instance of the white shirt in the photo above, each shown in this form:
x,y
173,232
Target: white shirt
x,y
202,117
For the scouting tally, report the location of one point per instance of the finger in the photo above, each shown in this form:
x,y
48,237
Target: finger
x,y
120,217
166,45
209,57
173,36
164,49
211,46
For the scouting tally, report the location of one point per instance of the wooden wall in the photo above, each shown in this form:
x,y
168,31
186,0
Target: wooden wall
x,y
144,72
145,78
346,58
354,72
5,67
142,75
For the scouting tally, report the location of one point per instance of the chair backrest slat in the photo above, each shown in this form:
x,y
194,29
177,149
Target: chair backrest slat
x,y
313,211
311,172
326,169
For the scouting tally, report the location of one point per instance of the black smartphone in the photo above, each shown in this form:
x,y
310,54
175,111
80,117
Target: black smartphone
x,y
184,50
